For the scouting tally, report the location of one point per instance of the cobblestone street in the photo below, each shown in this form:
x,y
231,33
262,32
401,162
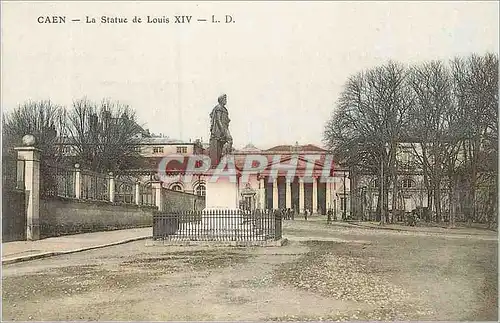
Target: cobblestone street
x,y
323,273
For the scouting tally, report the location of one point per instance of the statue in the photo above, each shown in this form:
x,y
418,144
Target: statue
x,y
221,141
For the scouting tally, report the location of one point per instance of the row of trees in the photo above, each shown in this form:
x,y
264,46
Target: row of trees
x,y
101,136
446,111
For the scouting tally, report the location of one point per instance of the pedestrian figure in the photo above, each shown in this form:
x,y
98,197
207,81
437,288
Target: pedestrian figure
x,y
329,216
305,214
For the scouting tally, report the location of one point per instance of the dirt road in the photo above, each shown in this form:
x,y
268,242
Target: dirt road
x,y
341,273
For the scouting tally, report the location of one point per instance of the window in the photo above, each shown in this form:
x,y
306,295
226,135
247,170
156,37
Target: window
x,y
176,187
201,190
137,149
66,150
407,158
182,150
157,150
407,183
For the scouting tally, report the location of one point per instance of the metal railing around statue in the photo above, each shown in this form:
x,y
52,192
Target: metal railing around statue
x,y
218,225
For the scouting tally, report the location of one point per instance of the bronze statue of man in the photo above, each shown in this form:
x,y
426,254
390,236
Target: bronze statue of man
x,y
221,141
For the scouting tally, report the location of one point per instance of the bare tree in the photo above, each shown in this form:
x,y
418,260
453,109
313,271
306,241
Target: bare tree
x,y
431,84
449,114
365,128
476,91
105,136
44,120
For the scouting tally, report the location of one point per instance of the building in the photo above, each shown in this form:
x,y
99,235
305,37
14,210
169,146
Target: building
x,y
410,193
301,190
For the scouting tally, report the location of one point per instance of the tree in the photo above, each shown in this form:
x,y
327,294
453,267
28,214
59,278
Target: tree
x,y
105,136
431,86
365,128
476,91
44,120
448,112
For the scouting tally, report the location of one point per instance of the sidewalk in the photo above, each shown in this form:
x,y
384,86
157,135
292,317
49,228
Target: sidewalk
x,y
26,250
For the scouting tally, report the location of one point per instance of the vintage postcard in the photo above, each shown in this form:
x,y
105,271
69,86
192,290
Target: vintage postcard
x,y
249,161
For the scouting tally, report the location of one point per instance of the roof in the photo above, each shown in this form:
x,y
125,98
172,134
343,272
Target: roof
x,y
179,167
298,148
163,141
249,148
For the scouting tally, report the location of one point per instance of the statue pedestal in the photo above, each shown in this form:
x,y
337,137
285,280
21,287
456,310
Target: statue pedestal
x,y
222,194
222,204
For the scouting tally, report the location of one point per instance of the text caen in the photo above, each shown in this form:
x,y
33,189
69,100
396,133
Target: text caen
x,y
51,19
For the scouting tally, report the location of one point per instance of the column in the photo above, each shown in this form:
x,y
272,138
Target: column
x,y
137,192
301,195
157,194
31,158
288,200
328,195
111,187
275,193
78,182
262,193
315,196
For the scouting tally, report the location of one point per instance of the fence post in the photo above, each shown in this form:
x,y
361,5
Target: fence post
x,y
78,182
111,187
277,225
158,196
137,192
31,157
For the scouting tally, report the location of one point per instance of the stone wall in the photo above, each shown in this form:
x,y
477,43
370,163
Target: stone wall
x,y
61,216
13,215
181,201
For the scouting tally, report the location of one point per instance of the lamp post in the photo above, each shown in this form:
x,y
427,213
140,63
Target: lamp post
x,y
344,201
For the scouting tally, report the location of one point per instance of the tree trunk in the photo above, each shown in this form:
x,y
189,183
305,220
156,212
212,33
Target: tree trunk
x,y
452,199
379,205
437,202
386,199
395,188
382,196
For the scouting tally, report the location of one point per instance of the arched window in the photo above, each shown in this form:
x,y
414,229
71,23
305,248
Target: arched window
x,y
201,189
176,187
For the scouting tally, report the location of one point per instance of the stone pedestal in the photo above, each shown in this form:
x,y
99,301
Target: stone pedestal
x,y
222,204
221,194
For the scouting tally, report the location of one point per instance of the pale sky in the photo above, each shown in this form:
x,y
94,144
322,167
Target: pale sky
x,y
282,65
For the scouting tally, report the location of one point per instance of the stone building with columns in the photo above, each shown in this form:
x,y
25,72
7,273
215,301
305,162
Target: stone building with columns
x,y
303,189
275,186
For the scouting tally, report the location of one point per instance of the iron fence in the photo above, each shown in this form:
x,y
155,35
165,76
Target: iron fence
x,y
56,181
94,186
147,195
218,225
124,191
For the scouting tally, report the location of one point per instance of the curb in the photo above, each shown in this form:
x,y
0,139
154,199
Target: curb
x,y
58,253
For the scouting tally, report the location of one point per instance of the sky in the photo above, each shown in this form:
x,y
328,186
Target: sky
x,y
281,64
